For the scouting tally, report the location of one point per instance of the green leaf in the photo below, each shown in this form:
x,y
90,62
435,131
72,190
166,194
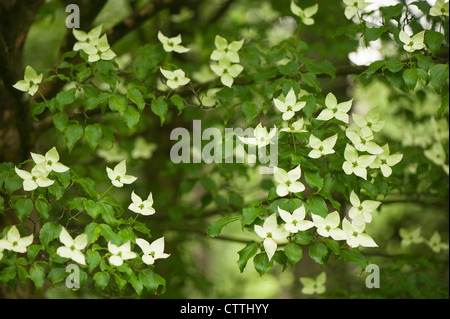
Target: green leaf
x,y
333,245
434,40
249,111
289,68
57,274
438,76
72,134
216,227
93,259
60,120
313,179
23,208
178,102
318,252
37,275
2,205
321,67
118,103
137,285
369,188
250,213
109,235
131,116
424,62
262,263
316,205
372,34
311,80
93,134
32,251
390,12
356,257
303,237
152,281
101,280
374,67
136,97
93,209
160,108
8,273
49,232
42,207
245,254
121,283
65,98
410,76
394,65
293,252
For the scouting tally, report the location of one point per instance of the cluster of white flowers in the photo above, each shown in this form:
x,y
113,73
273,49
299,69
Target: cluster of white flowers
x,y
226,54
410,237
44,165
97,48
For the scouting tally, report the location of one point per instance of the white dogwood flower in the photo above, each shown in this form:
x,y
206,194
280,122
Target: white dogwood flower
x,y
226,71
295,222
319,147
86,40
328,226
355,164
152,251
364,209
296,127
440,8
385,161
352,7
412,43
436,244
370,120
175,79
72,247
50,160
305,14
288,105
226,52
37,177
354,233
271,233
13,241
120,253
261,138
410,237
314,286
172,44
362,141
287,182
118,176
31,81
334,109
142,207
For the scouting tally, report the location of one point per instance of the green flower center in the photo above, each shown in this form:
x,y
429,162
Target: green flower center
x,y
72,248
321,148
141,206
269,235
15,243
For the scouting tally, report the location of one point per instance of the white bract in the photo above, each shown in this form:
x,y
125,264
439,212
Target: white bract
x,y
172,44
363,209
120,253
72,247
152,251
354,233
14,242
295,222
335,110
319,147
287,182
142,207
31,81
352,7
175,79
440,8
314,286
385,161
412,43
370,120
225,51
118,176
305,14
37,177
355,164
296,127
101,51
261,138
328,226
271,233
436,244
362,141
226,71
86,40
50,160
288,105
410,237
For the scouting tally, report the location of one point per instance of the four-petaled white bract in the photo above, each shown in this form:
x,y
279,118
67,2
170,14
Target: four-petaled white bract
x,y
328,226
410,237
355,164
172,44
120,253
435,243
142,207
96,47
314,286
319,147
37,177
412,43
288,181
227,71
296,127
152,251
371,120
175,79
118,176
271,233
335,110
72,247
305,14
289,106
364,208
354,233
225,51
295,222
440,8
261,138
50,160
362,141
14,242
86,40
31,81
385,161
352,7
